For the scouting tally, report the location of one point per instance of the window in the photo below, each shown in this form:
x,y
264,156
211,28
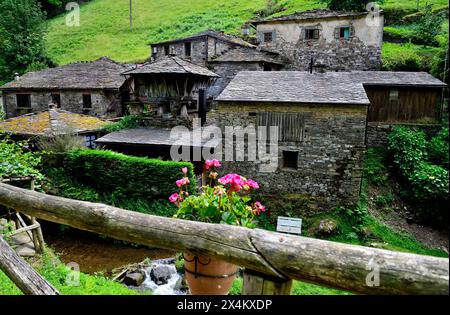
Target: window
x,y
167,50
312,33
89,141
268,37
267,68
87,101
393,95
290,159
23,100
187,49
344,32
56,99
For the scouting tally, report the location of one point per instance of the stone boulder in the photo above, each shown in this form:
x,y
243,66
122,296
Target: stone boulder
x,y
160,274
325,228
134,278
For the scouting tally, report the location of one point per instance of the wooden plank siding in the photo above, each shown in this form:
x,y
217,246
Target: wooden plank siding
x,y
413,104
290,125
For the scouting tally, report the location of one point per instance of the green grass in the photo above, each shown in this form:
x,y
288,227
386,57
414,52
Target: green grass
x,y
57,273
104,25
412,4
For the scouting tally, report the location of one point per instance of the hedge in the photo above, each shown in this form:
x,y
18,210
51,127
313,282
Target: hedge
x,y
125,176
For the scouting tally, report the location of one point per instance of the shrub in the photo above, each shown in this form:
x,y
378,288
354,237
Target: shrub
x,y
408,147
127,122
438,149
17,161
427,184
402,61
126,176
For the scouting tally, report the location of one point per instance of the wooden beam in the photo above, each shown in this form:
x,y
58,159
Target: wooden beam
x,y
23,276
337,265
260,284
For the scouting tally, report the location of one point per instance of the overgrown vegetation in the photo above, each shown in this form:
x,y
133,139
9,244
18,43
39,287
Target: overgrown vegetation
x,y
126,122
17,161
22,29
427,183
349,5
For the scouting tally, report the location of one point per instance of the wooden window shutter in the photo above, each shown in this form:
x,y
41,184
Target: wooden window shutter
x,y
316,34
337,32
274,36
352,31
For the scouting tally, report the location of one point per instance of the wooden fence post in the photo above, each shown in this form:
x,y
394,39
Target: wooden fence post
x,y
256,283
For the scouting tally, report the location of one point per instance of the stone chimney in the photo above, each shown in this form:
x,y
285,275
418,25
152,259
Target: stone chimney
x,y
53,117
16,77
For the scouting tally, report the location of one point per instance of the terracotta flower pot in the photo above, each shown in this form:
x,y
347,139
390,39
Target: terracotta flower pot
x,y
208,276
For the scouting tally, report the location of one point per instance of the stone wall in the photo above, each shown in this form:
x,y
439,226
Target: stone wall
x,y
105,104
362,51
330,156
377,133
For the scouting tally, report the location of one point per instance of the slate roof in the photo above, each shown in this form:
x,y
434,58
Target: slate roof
x,y
37,124
391,78
243,54
171,65
153,136
310,15
102,73
293,87
210,33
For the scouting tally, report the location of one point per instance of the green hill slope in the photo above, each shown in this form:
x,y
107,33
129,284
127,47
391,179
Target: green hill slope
x,y
104,28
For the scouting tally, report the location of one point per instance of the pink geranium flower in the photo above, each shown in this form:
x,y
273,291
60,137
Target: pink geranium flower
x,y
258,208
236,182
174,198
212,163
184,170
182,182
252,184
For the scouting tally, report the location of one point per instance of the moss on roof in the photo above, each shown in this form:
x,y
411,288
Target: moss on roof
x,y
39,123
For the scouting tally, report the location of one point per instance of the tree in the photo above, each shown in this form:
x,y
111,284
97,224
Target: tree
x,y
22,29
348,5
429,26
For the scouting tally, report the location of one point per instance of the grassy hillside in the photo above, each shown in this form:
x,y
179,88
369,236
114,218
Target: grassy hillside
x,y
104,28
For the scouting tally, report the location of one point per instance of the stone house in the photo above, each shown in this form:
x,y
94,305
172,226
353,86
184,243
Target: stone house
x,y
321,125
222,53
93,88
335,40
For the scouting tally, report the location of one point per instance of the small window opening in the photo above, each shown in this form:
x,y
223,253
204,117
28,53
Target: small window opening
x,y
23,100
89,141
267,68
344,32
393,95
312,33
268,37
87,101
290,159
56,99
188,49
167,50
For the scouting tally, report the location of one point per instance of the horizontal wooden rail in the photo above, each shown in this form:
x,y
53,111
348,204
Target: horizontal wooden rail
x,y
327,263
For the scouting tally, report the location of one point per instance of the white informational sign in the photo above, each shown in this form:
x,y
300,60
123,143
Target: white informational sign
x,y
289,225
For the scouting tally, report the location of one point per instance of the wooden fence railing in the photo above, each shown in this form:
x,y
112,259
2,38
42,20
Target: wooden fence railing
x,y
273,259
